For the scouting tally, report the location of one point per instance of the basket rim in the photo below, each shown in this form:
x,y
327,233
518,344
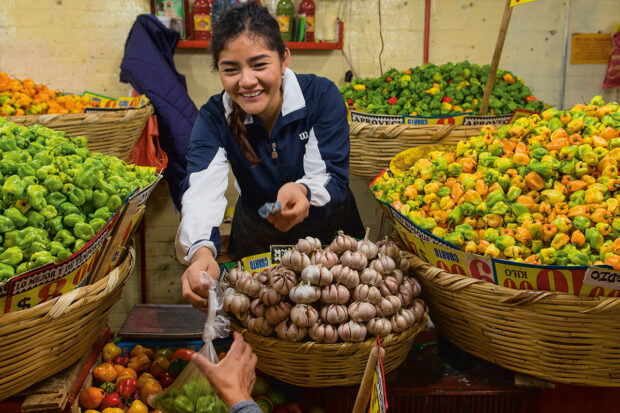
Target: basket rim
x,y
457,282
135,111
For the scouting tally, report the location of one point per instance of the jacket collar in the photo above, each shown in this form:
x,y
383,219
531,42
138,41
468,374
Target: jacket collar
x,y
292,97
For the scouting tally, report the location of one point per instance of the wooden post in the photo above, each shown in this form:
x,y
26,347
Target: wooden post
x,y
496,56
363,395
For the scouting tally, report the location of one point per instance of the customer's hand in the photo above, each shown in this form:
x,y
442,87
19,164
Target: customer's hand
x,y
295,207
195,288
234,376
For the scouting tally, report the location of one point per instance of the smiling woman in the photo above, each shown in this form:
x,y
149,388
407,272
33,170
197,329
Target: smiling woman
x,y
286,137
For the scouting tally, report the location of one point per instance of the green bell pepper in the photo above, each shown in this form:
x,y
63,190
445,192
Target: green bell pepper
x,y
12,256
16,216
86,232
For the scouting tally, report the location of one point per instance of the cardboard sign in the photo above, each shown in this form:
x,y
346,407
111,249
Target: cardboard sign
x,y
590,48
456,119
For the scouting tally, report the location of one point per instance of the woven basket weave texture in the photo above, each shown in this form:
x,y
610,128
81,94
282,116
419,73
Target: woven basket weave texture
x,y
41,341
551,335
312,364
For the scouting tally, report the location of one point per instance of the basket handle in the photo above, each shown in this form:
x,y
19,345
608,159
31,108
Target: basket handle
x,y
62,304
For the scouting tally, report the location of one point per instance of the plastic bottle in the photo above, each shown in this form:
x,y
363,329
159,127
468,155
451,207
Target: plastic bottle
x,y
284,16
202,20
307,7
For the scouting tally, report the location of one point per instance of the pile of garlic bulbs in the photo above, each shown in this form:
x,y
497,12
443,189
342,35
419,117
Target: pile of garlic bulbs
x,y
347,291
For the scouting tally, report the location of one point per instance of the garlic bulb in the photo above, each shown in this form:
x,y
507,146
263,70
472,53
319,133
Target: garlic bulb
x,y
388,306
418,308
334,314
259,325
403,264
354,259
316,274
405,291
295,260
269,296
399,322
352,331
390,286
263,277
370,277
304,315
379,327
416,288
335,294
402,320
282,279
343,243
345,276
257,307
389,248
398,274
326,258
367,247
384,265
277,313
308,245
361,311
323,333
237,304
368,293
237,273
249,286
304,293
245,319
288,331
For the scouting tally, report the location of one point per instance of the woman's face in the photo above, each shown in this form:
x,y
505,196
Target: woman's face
x,y
252,75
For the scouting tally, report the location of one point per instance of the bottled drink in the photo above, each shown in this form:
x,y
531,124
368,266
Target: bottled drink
x,y
284,15
307,7
202,20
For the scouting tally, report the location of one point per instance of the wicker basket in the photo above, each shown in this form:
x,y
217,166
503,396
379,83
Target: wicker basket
x,y
109,132
43,340
374,146
311,364
551,335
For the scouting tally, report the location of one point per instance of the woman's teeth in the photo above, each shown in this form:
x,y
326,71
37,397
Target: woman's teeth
x,y
250,95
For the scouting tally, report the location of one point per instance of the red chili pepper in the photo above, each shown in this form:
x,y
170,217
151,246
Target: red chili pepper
x,y
123,361
447,99
111,400
531,98
350,102
389,79
393,100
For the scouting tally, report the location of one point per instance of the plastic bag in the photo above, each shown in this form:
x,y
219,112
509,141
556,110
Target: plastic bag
x,y
191,392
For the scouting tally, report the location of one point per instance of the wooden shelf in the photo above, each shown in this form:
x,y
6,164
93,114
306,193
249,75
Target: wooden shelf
x,y
203,44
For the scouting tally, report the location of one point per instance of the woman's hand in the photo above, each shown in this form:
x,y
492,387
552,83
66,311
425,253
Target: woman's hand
x,y
234,376
295,207
194,287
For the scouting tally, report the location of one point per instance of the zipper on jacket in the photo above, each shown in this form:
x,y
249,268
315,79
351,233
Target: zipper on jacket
x,y
274,153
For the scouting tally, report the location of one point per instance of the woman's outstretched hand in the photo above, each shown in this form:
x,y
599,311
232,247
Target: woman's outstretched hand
x,y
295,207
195,288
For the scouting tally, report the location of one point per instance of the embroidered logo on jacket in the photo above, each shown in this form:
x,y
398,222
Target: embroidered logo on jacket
x,y
303,136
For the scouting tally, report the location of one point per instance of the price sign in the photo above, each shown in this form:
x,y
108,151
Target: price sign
x,y
277,251
257,263
480,268
604,282
378,399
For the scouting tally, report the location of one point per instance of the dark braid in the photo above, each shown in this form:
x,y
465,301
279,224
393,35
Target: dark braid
x,y
237,127
252,18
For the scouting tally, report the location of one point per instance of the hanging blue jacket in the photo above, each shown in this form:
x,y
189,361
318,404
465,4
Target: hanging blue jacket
x,y
309,144
148,65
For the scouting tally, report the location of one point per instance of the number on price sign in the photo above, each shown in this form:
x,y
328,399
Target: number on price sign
x,y
480,268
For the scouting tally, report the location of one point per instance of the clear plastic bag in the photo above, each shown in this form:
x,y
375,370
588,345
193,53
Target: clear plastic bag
x,y
191,392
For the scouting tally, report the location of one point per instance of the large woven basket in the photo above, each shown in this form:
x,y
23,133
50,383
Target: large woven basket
x,y
551,335
374,146
109,132
312,364
40,341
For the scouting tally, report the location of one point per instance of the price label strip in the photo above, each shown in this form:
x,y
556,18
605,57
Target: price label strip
x,y
378,398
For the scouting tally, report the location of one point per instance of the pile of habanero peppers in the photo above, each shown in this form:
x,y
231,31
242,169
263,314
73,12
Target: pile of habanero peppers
x,y
55,195
542,190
